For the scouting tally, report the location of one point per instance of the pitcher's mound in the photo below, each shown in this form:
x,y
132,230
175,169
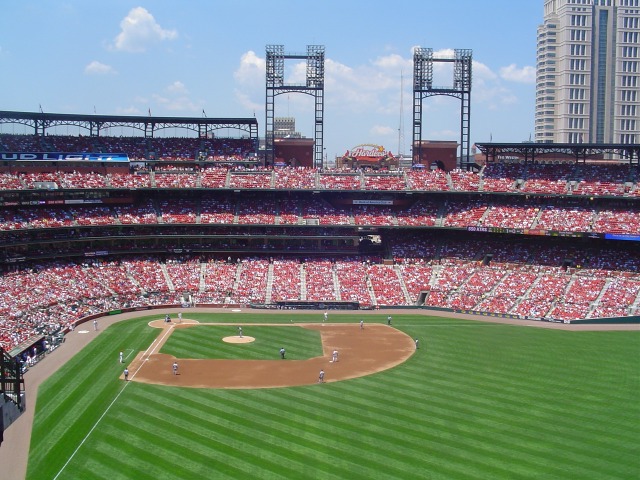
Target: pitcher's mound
x,y
237,339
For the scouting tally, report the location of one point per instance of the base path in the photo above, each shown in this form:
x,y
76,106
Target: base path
x,y
361,352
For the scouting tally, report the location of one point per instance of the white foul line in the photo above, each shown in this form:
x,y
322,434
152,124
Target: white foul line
x,y
111,404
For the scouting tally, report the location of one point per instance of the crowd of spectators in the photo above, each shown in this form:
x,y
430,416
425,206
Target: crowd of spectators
x,y
564,179
451,274
527,278
137,148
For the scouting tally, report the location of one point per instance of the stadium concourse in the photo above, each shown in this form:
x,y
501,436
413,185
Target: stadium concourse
x,y
15,448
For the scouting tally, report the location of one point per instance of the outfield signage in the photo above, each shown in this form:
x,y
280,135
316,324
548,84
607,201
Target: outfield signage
x,y
60,201
373,202
369,153
64,157
622,236
555,233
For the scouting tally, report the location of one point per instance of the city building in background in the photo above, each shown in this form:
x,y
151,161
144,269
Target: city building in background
x,y
588,72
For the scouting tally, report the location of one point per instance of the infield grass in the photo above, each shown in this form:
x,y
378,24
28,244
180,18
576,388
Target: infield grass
x,y
477,400
205,341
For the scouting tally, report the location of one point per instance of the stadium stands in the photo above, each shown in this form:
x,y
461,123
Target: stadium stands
x,y
190,218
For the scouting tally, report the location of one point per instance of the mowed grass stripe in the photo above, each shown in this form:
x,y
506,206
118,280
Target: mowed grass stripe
x,y
141,450
381,434
278,419
71,402
322,430
101,465
521,385
181,443
396,441
190,412
236,416
517,419
257,436
400,433
205,341
486,414
471,403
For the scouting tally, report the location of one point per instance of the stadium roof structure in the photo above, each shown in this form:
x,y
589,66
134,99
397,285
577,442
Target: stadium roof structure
x,y
530,151
203,126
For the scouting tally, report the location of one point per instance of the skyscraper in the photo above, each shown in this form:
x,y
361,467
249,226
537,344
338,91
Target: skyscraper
x,y
588,72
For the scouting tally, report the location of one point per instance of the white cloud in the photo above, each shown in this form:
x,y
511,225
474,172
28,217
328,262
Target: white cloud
x,y
248,102
251,69
250,76
394,61
383,130
139,30
512,73
175,104
480,70
97,68
444,53
177,87
172,98
444,135
493,95
128,111
175,98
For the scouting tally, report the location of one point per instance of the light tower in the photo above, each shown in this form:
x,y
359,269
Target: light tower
x,y
276,85
423,60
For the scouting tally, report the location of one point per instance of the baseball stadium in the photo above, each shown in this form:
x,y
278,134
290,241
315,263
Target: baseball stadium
x,y
207,305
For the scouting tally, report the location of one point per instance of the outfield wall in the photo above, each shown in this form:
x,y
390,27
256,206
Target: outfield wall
x,y
634,319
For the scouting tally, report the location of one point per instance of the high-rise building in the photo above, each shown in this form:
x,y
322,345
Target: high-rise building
x,y
285,127
588,72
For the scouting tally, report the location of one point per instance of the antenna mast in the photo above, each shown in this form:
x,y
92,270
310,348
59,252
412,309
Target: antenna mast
x,y
401,123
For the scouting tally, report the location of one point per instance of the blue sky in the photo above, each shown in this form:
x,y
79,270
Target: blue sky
x,y
180,57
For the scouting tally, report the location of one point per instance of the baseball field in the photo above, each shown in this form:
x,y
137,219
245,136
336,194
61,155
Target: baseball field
x,y
475,400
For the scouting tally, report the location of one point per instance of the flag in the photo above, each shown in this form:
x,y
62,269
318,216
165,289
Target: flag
x,y
149,112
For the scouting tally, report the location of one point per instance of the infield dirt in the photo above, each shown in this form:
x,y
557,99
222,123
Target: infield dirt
x,y
361,352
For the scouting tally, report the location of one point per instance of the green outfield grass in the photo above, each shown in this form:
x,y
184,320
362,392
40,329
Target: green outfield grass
x,y
477,400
